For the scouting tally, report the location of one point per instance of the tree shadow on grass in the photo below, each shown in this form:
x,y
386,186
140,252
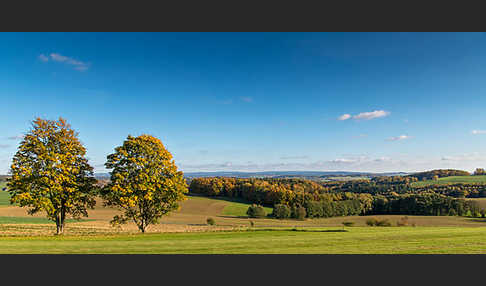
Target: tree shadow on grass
x,y
478,220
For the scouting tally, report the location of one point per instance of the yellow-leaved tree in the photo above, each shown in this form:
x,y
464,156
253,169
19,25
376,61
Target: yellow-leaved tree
x,y
50,173
145,182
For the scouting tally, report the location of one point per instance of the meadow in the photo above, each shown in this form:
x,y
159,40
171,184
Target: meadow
x,y
4,196
452,180
352,240
186,231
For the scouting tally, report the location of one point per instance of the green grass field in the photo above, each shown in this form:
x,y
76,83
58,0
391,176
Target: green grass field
x,y
4,196
452,180
359,240
32,220
238,209
185,231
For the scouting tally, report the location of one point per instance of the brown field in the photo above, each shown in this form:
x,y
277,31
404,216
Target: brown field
x,y
481,202
192,218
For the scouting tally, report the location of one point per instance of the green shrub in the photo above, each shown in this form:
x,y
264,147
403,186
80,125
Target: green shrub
x,y
256,211
383,222
281,211
252,224
371,221
348,223
313,209
210,221
299,212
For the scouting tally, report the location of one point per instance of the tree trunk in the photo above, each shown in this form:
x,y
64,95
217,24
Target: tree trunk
x,y
58,226
60,222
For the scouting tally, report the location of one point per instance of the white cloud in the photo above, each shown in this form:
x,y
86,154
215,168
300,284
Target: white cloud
x,y
371,115
478,132
227,164
43,58
382,159
344,116
78,65
344,160
382,163
365,115
397,138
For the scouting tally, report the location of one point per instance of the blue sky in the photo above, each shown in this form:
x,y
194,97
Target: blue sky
x,y
256,101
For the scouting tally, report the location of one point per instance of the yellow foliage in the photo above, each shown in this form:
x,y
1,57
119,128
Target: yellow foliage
x,y
144,181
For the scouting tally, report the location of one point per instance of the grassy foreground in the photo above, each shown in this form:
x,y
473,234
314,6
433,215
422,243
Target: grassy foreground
x,y
371,240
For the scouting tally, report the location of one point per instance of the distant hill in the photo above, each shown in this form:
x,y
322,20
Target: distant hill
x,y
270,174
287,174
102,175
440,173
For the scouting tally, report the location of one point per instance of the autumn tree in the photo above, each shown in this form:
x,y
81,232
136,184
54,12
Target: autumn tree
x,y
145,182
50,173
479,172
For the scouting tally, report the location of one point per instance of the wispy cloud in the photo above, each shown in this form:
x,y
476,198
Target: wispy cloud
x,y
43,58
397,138
3,146
246,99
365,115
382,159
371,115
77,65
344,160
478,132
392,163
344,116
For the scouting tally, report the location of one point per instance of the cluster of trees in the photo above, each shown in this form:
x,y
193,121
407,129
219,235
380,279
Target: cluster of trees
x,y
426,204
376,185
430,175
472,190
383,195
393,180
479,172
50,173
270,192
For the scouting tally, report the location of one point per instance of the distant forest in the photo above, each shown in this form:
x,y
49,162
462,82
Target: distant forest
x,y
379,195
